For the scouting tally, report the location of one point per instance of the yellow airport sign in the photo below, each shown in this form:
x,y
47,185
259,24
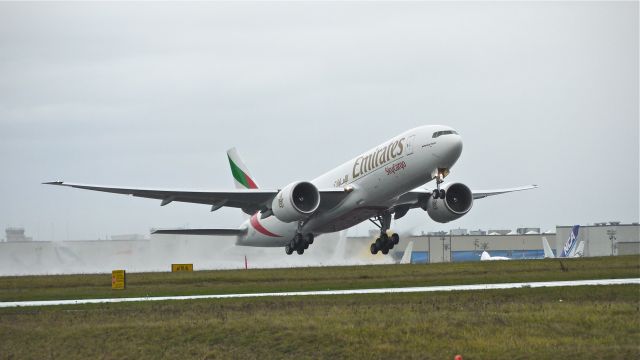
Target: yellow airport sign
x,y
181,267
118,280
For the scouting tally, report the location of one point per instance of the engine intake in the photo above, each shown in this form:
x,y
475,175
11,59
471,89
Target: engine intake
x,y
297,201
457,202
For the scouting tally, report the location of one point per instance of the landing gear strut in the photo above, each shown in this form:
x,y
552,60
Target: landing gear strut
x,y
300,241
384,243
439,193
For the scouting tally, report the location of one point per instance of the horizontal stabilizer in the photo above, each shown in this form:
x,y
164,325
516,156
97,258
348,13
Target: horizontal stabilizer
x,y
219,232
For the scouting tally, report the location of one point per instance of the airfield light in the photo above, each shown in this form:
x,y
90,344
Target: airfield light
x,y
612,238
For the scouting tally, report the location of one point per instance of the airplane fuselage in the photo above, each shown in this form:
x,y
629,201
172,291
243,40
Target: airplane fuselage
x,y
375,179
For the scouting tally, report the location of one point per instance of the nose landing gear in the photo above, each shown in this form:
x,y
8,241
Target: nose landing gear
x,y
439,176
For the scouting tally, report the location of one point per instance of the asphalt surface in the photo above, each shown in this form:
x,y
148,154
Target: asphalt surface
x,y
475,287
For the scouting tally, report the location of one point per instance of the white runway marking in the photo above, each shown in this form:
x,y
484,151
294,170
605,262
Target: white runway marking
x,y
333,292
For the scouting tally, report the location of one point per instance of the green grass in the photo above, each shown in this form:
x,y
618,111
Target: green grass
x,y
591,322
299,279
595,322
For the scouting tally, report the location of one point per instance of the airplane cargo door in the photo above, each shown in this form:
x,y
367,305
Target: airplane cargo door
x,y
410,144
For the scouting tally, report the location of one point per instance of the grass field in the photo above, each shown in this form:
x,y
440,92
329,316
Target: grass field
x,y
594,322
17,288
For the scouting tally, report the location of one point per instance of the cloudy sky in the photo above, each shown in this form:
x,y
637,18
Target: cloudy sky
x,y
152,94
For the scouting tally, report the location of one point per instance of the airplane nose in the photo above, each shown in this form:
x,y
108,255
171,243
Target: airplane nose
x,y
452,148
456,145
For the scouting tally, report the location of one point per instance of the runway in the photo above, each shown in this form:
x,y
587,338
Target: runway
x,y
424,289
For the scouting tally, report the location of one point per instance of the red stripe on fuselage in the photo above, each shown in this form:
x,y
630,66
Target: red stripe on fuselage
x,y
256,225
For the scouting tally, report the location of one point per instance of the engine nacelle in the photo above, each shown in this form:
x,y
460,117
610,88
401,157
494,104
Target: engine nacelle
x,y
457,202
297,201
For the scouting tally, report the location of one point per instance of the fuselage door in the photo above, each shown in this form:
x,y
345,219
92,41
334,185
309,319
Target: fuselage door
x,y
410,144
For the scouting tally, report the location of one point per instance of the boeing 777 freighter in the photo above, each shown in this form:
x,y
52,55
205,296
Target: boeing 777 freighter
x,y
376,185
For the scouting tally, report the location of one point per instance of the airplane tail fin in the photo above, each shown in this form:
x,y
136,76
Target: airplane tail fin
x,y
240,172
406,257
579,250
548,253
485,256
570,246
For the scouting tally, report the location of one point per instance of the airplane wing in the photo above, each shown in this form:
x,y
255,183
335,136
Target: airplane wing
x,y
415,196
219,232
249,200
418,198
479,194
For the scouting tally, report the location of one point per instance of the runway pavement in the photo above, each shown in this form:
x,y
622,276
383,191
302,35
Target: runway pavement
x,y
425,289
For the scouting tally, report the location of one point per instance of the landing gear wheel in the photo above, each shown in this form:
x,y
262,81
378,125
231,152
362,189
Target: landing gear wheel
x,y
395,238
435,193
288,249
384,242
300,251
308,239
298,241
443,194
374,249
306,245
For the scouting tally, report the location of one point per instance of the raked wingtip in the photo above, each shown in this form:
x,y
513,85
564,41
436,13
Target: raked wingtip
x,y
53,183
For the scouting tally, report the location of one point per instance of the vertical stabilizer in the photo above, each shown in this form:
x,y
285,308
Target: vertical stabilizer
x,y
548,253
579,250
406,257
485,256
570,246
240,172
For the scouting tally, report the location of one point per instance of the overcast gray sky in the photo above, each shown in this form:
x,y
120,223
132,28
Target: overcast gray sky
x,y
152,94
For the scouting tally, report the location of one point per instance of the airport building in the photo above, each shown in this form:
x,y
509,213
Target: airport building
x,y
16,234
601,239
448,247
20,255
604,239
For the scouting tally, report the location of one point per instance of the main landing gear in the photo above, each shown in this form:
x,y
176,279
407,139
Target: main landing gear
x,y
300,242
385,242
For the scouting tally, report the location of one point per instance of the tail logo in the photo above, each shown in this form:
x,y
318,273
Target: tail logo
x,y
571,242
241,177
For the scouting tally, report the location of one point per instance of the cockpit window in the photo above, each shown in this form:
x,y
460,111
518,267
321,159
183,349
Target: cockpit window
x,y
445,132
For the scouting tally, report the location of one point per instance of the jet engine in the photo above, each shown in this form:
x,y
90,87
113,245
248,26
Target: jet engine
x,y
457,202
297,201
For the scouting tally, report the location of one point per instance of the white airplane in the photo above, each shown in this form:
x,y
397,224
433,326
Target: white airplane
x,y
570,250
376,185
486,257
406,257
